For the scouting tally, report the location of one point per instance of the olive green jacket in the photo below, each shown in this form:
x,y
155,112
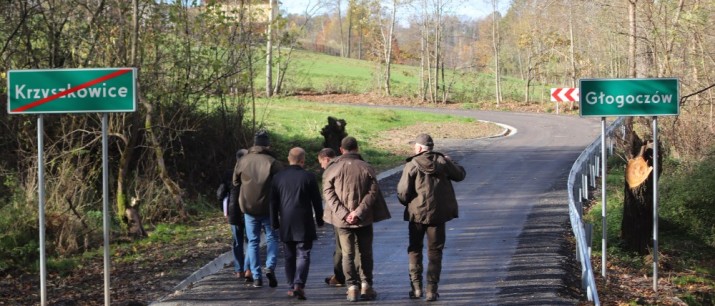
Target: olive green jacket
x,y
425,188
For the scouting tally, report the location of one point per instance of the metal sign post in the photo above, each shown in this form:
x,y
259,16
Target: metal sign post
x,y
41,208
105,205
655,203
604,227
98,90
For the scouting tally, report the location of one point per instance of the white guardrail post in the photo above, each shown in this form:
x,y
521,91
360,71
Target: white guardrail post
x,y
582,168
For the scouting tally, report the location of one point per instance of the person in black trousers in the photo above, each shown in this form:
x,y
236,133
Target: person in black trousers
x,y
294,198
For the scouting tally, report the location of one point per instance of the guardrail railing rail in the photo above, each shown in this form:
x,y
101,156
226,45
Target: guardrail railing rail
x,y
585,170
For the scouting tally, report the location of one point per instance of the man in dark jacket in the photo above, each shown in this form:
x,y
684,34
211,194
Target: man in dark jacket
x,y
253,173
355,202
294,198
235,218
425,189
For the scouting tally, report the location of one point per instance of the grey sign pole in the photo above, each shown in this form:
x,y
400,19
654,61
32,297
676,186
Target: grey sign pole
x,y
41,200
604,227
105,196
655,203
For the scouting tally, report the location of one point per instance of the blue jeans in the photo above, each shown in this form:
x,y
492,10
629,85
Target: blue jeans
x,y
253,231
240,261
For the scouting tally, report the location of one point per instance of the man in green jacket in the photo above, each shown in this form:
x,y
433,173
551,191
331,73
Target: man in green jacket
x,y
425,189
253,173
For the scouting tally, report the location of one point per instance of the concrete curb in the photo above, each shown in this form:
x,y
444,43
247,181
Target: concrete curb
x,y
212,267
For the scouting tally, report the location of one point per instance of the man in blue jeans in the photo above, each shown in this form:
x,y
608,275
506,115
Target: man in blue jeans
x,y
235,218
253,173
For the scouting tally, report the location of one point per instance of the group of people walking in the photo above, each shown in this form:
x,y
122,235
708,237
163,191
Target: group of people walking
x,y
287,204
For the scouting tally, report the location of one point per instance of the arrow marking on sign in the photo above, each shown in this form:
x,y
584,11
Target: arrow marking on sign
x,y
564,94
71,90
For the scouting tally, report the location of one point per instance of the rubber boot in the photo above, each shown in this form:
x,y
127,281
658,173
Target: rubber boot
x,y
432,294
416,281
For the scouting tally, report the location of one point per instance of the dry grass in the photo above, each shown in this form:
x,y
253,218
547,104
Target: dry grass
x,y
397,141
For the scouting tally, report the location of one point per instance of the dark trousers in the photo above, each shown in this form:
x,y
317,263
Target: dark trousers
x,y
338,259
297,262
435,244
356,245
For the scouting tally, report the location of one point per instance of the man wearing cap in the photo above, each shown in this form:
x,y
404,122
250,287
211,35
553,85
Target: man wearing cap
x,y
354,202
253,173
425,189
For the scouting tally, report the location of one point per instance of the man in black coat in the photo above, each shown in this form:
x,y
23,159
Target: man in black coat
x,y
294,198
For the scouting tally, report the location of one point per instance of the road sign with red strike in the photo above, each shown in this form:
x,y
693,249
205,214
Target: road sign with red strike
x,y
84,90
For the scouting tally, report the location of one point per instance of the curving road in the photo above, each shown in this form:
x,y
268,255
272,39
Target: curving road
x,y
506,248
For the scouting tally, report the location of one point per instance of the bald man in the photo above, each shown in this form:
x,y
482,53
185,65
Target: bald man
x,y
295,200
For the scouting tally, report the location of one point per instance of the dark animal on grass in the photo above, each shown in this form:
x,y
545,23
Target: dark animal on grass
x,y
334,132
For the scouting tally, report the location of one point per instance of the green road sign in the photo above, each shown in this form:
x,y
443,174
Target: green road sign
x,y
629,97
45,91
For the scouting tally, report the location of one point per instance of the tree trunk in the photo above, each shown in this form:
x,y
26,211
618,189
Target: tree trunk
x,y
171,186
127,153
269,52
340,25
632,228
637,222
495,42
351,7
388,48
423,60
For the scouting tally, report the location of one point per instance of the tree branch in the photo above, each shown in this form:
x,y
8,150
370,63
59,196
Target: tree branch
x,y
683,99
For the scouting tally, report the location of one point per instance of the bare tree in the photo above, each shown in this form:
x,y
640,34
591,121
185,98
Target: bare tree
x,y
496,44
269,49
387,41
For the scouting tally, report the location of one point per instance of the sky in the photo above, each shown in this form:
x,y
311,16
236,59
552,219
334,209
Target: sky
x,y
469,8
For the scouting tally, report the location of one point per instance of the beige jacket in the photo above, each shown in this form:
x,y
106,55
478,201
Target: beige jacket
x,y
350,184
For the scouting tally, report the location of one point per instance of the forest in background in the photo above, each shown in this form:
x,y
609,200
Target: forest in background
x,y
201,69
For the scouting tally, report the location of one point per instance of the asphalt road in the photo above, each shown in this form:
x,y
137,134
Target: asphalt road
x,y
506,248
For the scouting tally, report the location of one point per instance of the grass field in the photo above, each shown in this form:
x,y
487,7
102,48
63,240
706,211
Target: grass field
x,y
295,122
330,74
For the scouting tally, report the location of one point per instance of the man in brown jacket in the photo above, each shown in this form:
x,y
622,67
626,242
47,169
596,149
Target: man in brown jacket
x,y
425,189
354,201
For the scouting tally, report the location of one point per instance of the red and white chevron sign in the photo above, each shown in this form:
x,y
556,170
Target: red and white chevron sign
x,y
564,94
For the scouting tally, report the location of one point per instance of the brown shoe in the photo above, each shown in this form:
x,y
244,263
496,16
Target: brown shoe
x,y
333,281
248,277
431,296
353,293
367,293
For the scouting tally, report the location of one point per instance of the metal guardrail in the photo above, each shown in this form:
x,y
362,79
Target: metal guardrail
x,y
584,171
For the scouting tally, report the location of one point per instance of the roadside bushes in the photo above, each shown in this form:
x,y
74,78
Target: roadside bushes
x,y
18,240
688,198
